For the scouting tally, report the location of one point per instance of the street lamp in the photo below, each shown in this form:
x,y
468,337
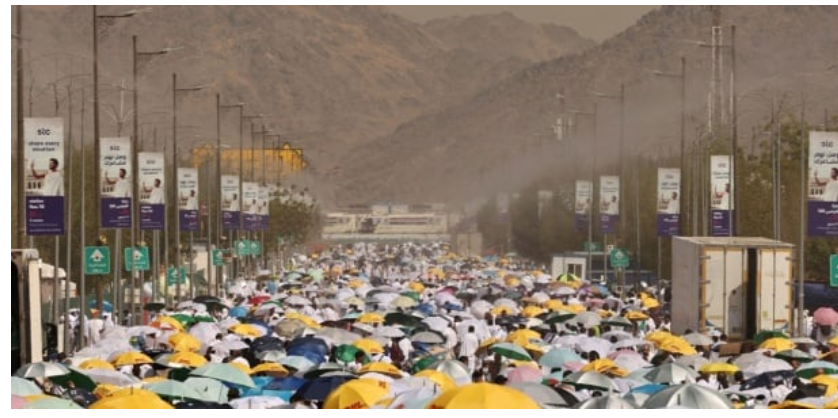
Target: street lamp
x,y
219,225
593,115
174,192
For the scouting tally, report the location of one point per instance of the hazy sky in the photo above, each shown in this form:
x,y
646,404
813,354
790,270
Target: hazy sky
x,y
595,22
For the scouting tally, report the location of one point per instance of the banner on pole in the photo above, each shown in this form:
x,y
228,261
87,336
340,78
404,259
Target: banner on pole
x,y
583,204
187,197
152,187
230,203
251,206
822,184
115,182
721,205
264,212
609,204
43,175
669,201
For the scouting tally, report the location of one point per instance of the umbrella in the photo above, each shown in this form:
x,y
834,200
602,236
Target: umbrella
x,y
322,369
22,387
636,399
440,379
52,403
763,335
247,330
271,355
271,369
388,332
403,302
483,396
630,343
383,368
184,342
356,394
296,301
369,346
320,388
131,399
555,359
630,362
96,364
590,380
312,344
41,370
694,361
545,396
225,373
285,384
609,401
512,351
777,344
427,337
174,389
618,335
671,373
371,318
604,366
690,396
522,337
771,378
338,336
131,358
814,368
298,363
211,390
257,402
726,368
267,344
399,318
794,354
825,316
454,369
111,377
524,374
588,319
695,338
231,345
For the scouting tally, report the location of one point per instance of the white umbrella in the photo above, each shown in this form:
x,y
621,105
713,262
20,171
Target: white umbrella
x,y
509,303
618,335
480,328
609,401
272,356
205,332
231,345
338,336
455,370
427,338
436,323
41,370
694,361
588,344
631,363
587,319
540,297
228,323
142,330
388,332
480,307
384,298
629,343
767,364
565,291
695,338
688,395
296,300
110,377
257,402
671,373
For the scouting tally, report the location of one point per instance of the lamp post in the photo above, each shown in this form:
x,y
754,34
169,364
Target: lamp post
x,y
174,192
218,107
620,98
593,115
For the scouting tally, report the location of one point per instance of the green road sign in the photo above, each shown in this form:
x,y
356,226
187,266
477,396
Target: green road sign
x,y
218,258
255,248
619,258
97,261
242,248
594,246
833,270
140,258
174,276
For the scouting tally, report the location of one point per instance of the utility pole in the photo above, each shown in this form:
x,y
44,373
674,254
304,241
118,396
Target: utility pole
x,y
21,218
733,218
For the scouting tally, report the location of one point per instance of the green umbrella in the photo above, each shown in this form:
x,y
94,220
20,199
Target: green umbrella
x,y
767,335
224,372
411,294
52,403
81,381
174,389
316,274
346,353
814,368
617,321
426,362
185,320
23,387
203,318
556,358
557,317
794,354
511,351
399,318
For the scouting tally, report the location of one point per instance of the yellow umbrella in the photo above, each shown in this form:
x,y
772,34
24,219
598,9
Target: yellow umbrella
x,y
356,283
523,363
522,337
725,368
554,305
383,368
369,346
833,341
829,382
416,287
441,379
650,303
511,281
184,342
601,366
188,359
436,272
371,318
132,358
532,311
165,322
658,336
833,404
96,364
304,319
154,379
131,399
636,316
355,394
241,366
246,330
104,390
777,344
576,308
272,369
501,310
483,396
793,405
677,345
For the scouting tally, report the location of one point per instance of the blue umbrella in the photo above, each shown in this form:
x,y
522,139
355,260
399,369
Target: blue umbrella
x,y
426,309
260,324
238,312
314,344
284,383
106,306
650,389
262,344
305,352
319,389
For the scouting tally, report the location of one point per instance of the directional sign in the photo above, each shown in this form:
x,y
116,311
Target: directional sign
x,y
255,248
97,261
833,270
218,258
594,246
242,247
174,275
140,258
619,258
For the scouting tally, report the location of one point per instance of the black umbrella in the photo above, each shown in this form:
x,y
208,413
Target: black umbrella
x,y
154,307
266,343
399,318
80,396
192,404
768,378
320,388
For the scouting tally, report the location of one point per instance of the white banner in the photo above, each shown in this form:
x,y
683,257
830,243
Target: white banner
x,y
187,186
669,191
115,166
152,175
609,195
230,193
545,197
721,183
44,156
583,197
823,166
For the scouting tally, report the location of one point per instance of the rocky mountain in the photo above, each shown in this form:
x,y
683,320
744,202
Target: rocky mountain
x,y
501,137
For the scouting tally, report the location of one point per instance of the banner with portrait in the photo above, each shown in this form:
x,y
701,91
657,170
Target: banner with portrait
x,y
151,174
721,200
669,201
250,208
822,184
264,213
230,202
187,198
609,204
43,175
115,182
584,192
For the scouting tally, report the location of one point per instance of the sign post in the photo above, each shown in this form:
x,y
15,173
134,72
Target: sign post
x,y
619,258
97,261
218,258
833,270
140,257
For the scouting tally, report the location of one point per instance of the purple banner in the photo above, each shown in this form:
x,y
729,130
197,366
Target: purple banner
x,y
581,222
608,223
251,222
720,223
823,219
44,215
188,220
152,217
116,212
230,219
668,225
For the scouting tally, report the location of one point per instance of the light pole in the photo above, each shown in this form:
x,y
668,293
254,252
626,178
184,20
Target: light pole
x,y
218,108
593,116
621,99
174,192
